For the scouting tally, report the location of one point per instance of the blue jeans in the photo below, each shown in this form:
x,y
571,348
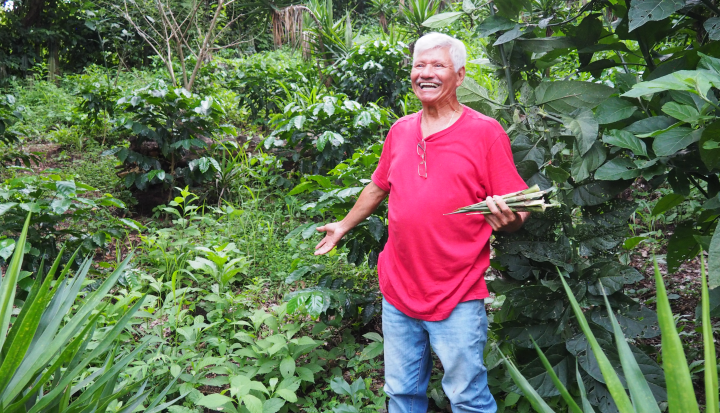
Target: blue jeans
x,y
458,341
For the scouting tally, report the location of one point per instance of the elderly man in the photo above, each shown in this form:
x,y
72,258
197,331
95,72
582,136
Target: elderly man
x,y
432,268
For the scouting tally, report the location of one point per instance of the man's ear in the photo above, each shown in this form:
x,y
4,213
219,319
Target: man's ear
x,y
461,76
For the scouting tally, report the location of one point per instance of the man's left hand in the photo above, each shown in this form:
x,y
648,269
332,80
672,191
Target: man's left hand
x,y
502,218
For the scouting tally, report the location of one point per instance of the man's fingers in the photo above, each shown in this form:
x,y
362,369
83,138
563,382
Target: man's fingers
x,y
493,221
321,243
325,248
321,229
491,205
503,207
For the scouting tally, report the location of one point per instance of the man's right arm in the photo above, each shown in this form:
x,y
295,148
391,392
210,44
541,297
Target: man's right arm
x,y
368,201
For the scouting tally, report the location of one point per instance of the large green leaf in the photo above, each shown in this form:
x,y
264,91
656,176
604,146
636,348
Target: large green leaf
x,y
681,394
667,202
567,95
583,166
651,124
543,44
712,27
509,35
682,246
522,334
644,11
442,19
617,168
595,193
584,126
668,143
613,110
709,146
511,8
626,140
493,24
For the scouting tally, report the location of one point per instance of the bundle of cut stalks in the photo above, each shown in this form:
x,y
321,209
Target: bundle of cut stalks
x,y
529,200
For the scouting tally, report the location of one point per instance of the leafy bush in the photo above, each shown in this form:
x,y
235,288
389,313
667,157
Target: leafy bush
x,y
9,114
62,216
169,126
321,135
377,71
45,364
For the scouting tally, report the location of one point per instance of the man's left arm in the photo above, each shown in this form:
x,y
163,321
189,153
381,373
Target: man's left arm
x,y
502,218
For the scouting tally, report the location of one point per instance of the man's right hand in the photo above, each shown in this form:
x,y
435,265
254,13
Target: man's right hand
x,y
333,233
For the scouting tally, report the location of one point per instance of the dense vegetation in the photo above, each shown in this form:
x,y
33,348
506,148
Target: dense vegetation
x,y
164,166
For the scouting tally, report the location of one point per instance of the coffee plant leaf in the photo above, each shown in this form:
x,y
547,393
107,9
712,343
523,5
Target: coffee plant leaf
x,y
709,146
682,246
674,140
613,110
565,96
519,333
617,169
595,193
626,140
493,24
644,11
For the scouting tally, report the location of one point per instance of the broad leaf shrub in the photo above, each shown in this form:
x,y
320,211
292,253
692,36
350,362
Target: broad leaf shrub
x,y
45,361
169,126
681,394
63,211
331,196
9,114
320,135
377,71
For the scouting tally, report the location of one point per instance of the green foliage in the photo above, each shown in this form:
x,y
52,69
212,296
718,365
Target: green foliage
x,y
417,12
681,395
169,125
375,72
62,209
9,114
326,130
43,357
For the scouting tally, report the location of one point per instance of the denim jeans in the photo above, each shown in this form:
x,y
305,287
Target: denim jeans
x,y
458,341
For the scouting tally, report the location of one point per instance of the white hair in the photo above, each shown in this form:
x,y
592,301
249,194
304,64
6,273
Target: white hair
x,y
458,53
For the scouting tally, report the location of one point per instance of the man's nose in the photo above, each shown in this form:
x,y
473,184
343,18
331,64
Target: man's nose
x,y
427,71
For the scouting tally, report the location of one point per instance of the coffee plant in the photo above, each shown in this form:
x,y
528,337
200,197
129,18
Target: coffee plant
x,y
169,126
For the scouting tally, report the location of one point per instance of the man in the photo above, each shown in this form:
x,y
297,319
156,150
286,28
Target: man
x,y
432,268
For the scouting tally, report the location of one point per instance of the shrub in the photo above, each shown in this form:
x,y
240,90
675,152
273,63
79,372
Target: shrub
x,y
376,71
62,210
170,126
325,130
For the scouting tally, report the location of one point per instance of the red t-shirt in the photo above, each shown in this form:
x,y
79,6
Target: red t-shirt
x,y
432,261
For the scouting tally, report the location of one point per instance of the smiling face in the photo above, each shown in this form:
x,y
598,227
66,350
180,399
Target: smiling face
x,y
434,79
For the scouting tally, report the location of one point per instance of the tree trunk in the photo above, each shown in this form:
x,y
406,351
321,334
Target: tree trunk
x,y
53,61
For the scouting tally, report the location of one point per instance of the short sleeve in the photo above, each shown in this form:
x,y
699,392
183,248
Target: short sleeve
x,y
381,175
503,177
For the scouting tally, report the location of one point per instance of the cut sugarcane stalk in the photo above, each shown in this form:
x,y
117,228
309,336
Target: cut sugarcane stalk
x,y
528,200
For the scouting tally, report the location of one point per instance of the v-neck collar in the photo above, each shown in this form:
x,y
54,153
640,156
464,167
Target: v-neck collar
x,y
431,137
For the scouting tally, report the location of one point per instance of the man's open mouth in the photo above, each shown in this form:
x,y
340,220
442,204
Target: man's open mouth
x,y
427,85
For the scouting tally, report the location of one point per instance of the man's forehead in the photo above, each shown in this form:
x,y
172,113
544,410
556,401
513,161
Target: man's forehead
x,y
434,55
